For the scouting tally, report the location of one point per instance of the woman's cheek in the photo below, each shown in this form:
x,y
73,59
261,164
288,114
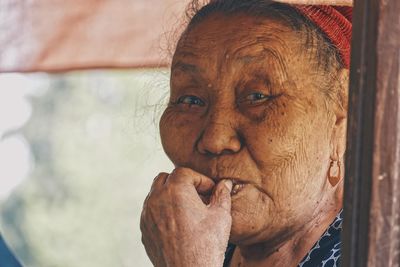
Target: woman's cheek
x,y
178,136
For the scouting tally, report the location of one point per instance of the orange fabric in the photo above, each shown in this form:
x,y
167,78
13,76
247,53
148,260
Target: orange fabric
x,y
61,35
335,23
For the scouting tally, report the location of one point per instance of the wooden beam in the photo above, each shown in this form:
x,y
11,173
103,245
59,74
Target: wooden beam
x,y
371,233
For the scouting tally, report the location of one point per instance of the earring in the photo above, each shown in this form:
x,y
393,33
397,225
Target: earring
x,y
334,180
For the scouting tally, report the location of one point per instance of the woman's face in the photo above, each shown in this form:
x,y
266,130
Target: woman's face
x,y
245,105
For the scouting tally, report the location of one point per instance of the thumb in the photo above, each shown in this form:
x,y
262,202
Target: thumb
x,y
221,197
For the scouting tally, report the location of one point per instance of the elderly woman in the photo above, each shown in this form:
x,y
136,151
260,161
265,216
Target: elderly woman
x,y
256,127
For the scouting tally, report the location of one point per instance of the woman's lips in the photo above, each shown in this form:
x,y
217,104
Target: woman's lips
x,y
238,184
236,188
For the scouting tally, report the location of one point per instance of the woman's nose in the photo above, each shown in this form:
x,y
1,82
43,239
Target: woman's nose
x,y
219,138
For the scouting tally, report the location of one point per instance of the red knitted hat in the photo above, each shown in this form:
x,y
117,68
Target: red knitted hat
x,y
335,22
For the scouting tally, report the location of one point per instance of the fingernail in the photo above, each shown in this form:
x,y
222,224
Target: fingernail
x,y
228,183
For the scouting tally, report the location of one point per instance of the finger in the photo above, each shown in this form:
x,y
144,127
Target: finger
x,y
159,180
157,184
185,176
221,198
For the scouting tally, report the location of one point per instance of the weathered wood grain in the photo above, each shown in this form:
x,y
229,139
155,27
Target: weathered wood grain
x,y
372,208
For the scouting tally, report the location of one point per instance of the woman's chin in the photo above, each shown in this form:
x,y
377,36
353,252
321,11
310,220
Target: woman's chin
x,y
242,236
244,225
251,215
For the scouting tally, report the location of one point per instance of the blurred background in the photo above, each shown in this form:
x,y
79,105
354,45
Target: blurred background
x,y
78,152
82,86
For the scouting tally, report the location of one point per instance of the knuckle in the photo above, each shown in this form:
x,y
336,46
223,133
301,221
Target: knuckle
x,y
160,176
179,174
158,181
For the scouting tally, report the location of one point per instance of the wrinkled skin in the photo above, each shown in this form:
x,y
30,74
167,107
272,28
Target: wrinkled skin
x,y
174,209
247,106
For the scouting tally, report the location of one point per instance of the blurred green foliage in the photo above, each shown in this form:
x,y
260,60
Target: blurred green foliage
x,y
95,148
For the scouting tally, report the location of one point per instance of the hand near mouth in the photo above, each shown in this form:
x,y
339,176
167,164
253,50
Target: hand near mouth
x,y
178,229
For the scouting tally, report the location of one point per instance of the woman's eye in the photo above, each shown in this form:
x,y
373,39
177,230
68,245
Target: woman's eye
x,y
190,100
256,97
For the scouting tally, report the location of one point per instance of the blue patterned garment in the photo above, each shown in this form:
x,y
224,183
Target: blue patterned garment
x,y
325,253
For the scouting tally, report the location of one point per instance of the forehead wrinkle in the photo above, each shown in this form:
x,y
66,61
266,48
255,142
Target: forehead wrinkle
x,y
264,53
261,42
278,54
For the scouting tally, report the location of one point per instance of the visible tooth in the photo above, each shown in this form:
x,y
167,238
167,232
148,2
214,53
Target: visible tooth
x,y
236,187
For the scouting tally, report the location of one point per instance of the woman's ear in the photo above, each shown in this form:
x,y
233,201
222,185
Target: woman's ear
x,y
338,139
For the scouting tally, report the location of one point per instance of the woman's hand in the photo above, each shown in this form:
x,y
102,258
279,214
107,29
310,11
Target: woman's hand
x,y
178,229
318,2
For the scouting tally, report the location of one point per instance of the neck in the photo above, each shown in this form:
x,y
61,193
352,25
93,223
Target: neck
x,y
291,249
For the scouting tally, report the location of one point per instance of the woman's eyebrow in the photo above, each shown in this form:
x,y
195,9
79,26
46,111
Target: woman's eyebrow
x,y
263,53
185,67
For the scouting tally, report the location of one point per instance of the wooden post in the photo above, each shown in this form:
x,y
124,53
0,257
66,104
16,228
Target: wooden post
x,y
371,234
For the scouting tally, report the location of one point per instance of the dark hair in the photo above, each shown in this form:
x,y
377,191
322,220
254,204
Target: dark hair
x,y
321,51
